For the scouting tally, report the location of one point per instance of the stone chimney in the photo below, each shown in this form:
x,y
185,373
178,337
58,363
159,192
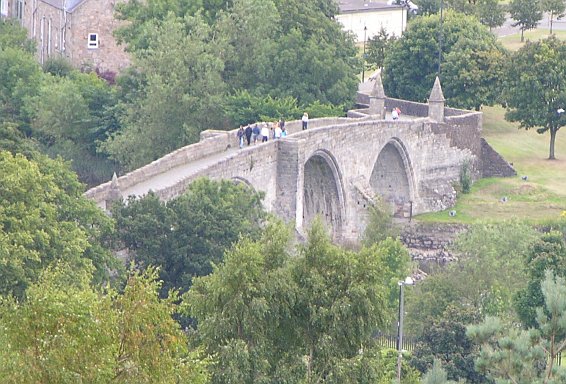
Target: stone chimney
x,y
436,103
114,194
377,98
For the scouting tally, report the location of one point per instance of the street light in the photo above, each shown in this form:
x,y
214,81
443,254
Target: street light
x,y
408,281
440,39
364,56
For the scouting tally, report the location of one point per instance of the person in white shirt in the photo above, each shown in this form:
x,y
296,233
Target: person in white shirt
x,y
278,131
394,114
305,120
264,133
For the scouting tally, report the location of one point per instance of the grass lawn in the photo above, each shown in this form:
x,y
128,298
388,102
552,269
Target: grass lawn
x,y
513,42
542,197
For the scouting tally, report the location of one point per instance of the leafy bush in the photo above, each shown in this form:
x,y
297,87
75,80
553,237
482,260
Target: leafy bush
x,y
58,66
245,108
318,109
465,178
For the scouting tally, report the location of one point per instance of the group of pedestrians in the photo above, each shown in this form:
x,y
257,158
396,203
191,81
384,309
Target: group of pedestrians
x,y
252,133
395,113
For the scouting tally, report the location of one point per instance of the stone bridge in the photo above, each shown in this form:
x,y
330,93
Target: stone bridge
x,y
337,166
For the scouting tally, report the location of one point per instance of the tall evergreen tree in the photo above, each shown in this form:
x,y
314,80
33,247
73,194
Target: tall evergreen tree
x,y
510,355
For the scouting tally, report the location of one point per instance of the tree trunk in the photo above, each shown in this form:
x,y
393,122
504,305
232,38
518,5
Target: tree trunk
x,y
552,140
522,35
551,17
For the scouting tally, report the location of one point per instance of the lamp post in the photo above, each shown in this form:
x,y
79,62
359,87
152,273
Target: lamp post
x,y
440,39
408,281
364,56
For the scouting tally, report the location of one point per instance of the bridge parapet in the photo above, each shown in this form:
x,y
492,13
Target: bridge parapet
x,y
212,142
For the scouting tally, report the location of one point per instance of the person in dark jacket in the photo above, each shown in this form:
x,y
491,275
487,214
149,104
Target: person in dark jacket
x,y
248,132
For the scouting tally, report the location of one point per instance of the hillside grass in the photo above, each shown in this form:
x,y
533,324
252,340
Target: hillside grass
x,y
513,42
540,199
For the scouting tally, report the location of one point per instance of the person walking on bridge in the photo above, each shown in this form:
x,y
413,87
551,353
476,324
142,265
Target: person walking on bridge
x,y
240,135
248,132
264,133
305,120
255,133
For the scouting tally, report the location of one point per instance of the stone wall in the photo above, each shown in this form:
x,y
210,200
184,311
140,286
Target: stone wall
x,y
212,142
429,243
464,131
410,108
493,164
407,107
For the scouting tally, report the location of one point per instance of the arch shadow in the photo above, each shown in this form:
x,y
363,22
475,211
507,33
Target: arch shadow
x,y
393,178
323,192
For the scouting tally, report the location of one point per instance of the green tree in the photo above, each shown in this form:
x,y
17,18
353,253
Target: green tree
x,y
61,333
473,73
535,87
14,35
511,355
243,310
444,342
44,218
471,61
486,277
245,108
72,126
250,29
436,375
428,7
526,13
67,332
555,8
20,76
271,316
150,345
380,224
462,6
549,253
58,66
490,13
14,141
187,235
378,46
181,86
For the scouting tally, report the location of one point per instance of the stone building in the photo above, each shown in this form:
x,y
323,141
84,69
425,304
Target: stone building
x,y
79,30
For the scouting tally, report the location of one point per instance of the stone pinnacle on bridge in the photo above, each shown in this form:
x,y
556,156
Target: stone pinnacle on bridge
x,y
436,102
377,98
114,194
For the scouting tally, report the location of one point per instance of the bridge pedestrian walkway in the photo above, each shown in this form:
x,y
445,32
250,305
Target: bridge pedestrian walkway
x,y
164,175
176,174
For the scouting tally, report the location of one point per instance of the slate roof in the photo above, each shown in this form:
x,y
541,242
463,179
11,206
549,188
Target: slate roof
x,y
70,5
349,6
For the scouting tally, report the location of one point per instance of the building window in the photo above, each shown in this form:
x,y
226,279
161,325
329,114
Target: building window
x,y
20,10
4,8
92,40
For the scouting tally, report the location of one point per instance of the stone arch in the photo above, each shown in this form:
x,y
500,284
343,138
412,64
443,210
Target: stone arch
x,y
241,180
323,192
392,177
